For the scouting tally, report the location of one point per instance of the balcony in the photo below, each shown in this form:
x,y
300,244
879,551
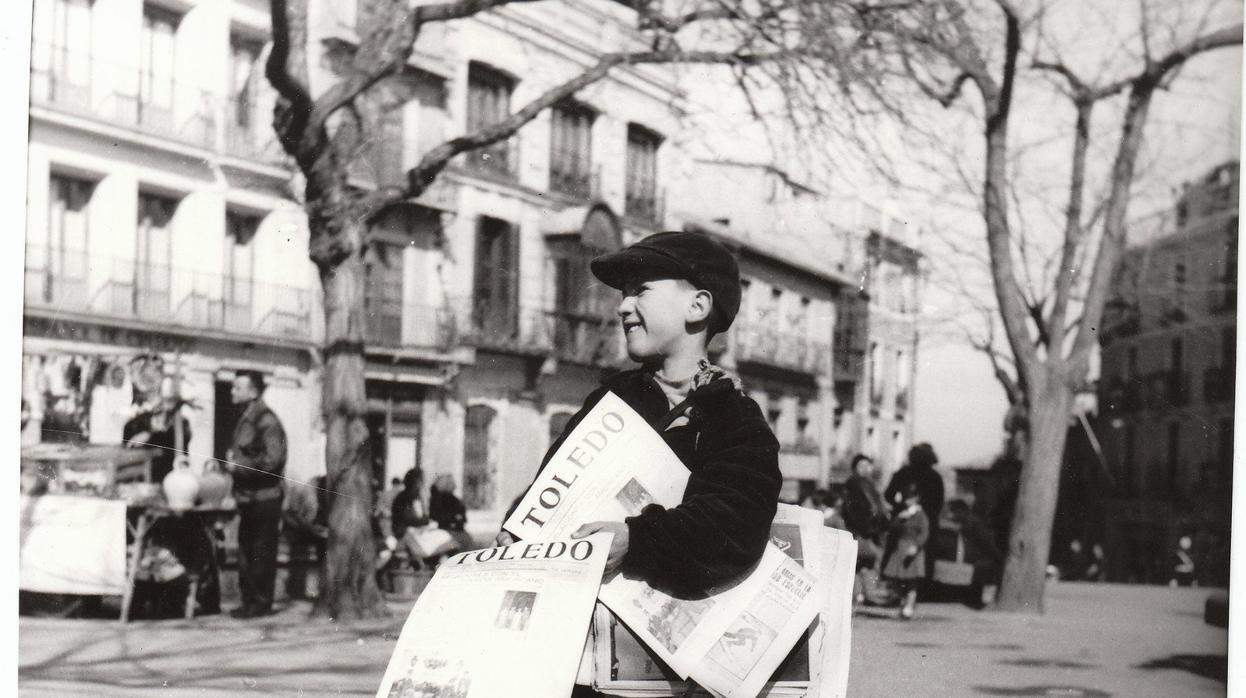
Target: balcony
x,y
499,160
648,206
503,328
849,365
248,136
764,344
586,339
577,184
166,296
393,324
1218,384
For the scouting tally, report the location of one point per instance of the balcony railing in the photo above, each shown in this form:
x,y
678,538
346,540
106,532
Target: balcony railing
x,y
248,134
502,327
1218,384
580,184
585,339
499,159
763,343
168,296
648,206
184,113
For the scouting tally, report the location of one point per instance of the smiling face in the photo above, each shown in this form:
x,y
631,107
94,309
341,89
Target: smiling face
x,y
660,318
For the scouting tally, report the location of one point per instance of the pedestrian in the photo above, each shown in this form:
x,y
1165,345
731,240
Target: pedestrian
x,y
448,511
256,459
679,290
833,507
1183,564
383,512
1097,571
306,529
424,541
155,427
979,548
1075,563
904,559
919,471
865,515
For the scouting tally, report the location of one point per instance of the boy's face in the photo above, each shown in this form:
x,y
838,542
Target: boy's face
x,y
655,314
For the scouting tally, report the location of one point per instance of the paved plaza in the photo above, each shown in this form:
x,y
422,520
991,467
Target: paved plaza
x,y
1095,640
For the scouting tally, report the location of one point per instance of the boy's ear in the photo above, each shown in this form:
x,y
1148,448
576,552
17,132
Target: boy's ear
x,y
700,307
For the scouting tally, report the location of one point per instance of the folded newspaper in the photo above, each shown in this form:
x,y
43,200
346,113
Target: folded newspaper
x,y
732,641
500,622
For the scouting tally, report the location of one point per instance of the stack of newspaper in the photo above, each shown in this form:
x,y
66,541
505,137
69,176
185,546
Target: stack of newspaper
x,y
783,629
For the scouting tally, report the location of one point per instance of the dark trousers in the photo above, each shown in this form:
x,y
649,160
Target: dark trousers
x,y
258,528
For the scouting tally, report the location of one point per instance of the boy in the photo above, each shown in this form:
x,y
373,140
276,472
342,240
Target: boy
x,y
679,290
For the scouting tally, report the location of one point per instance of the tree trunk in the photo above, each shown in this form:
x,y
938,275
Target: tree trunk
x,y
1029,545
348,571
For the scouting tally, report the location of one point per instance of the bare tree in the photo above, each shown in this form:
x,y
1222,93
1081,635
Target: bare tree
x,y
1050,320
324,132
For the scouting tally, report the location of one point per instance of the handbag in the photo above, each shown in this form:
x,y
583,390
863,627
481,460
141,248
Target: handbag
x,y
957,573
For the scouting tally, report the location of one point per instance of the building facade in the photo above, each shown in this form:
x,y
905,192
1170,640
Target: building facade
x,y
164,224
1166,386
160,226
825,279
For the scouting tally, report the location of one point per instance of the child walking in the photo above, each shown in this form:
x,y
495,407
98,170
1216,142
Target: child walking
x,y
904,559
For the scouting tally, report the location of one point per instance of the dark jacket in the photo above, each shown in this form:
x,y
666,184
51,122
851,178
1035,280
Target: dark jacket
x,y
447,510
258,449
408,511
163,440
721,528
864,511
929,485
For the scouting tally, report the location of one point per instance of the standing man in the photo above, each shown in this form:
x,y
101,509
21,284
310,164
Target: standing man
x,y
257,458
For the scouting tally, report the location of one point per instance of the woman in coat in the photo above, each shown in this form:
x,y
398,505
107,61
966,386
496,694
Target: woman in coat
x,y
904,560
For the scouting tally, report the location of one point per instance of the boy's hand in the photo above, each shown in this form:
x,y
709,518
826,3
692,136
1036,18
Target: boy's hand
x,y
503,538
618,547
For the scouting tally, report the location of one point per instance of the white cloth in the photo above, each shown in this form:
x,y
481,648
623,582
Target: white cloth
x,y
72,545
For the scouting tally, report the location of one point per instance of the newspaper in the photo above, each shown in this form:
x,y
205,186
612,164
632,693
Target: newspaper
x,y
500,622
732,639
816,666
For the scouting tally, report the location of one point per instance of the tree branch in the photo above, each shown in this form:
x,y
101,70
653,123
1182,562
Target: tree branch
x,y
286,70
1073,231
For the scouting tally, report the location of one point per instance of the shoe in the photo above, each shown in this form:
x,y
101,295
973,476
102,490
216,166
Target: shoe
x,y
242,613
906,613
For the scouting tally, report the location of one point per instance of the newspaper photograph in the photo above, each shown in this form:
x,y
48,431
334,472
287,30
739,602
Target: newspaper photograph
x,y
608,468
500,622
781,600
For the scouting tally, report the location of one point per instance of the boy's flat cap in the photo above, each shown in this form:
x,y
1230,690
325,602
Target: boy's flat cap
x,y
704,262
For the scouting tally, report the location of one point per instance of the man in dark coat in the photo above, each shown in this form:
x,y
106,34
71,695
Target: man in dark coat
x,y
919,471
257,459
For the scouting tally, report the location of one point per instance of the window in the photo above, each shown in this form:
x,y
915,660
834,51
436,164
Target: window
x,y
60,62
774,411
157,54
1173,461
477,455
59,272
240,230
488,102
804,439
641,196
902,382
495,294
382,295
245,75
875,378
152,255
1176,355
571,150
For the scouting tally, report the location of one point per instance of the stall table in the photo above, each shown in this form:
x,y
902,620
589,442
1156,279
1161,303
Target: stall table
x,y
141,519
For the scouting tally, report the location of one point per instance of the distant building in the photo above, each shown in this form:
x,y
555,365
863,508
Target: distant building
x,y
1167,378
835,276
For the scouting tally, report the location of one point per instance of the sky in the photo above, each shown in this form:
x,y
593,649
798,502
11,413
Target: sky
x,y
1194,125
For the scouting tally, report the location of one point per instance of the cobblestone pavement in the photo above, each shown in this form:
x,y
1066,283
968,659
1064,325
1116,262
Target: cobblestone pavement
x,y
1094,640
